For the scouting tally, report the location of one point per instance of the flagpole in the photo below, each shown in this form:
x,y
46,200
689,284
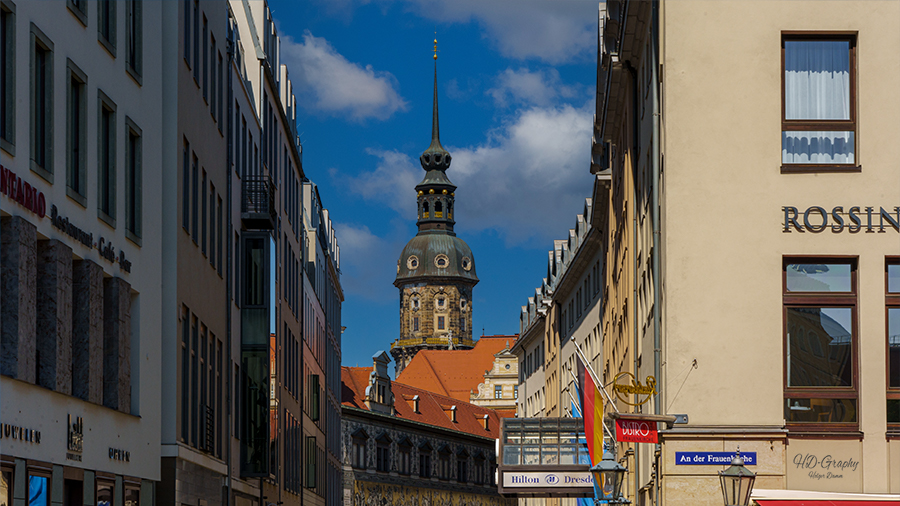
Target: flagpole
x,y
590,370
576,404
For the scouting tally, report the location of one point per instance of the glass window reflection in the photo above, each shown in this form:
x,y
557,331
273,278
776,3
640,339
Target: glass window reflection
x,y
894,347
39,491
826,360
818,277
893,281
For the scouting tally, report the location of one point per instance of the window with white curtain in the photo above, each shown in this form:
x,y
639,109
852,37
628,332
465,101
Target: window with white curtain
x,y
818,108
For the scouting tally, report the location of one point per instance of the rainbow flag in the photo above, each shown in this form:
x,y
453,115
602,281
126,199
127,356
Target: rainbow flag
x,y
592,410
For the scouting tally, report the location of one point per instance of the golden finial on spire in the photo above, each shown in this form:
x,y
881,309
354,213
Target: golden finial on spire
x,y
435,46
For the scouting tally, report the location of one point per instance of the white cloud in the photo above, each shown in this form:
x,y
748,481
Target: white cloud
x,y
326,81
527,180
361,252
522,86
552,31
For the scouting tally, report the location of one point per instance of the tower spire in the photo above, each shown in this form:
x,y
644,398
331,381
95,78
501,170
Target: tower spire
x,y
435,157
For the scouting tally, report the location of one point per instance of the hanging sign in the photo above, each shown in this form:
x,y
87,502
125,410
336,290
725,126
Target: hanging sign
x,y
627,387
636,431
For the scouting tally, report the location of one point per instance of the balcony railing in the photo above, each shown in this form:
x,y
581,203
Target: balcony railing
x,y
258,202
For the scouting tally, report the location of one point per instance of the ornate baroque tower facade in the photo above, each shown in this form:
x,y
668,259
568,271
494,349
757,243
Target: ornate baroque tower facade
x,y
436,270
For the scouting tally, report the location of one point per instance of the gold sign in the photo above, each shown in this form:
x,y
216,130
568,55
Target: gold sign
x,y
625,385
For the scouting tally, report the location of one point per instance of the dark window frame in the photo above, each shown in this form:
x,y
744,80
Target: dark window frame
x,y
107,40
134,39
8,78
78,8
76,133
849,299
824,125
133,181
41,98
891,301
106,175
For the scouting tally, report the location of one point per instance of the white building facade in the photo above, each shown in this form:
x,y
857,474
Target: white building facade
x,y
80,250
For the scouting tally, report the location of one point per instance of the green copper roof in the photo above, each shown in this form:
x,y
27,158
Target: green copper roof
x,y
425,250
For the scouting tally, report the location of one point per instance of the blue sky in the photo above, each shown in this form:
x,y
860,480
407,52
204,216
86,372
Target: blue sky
x,y
516,84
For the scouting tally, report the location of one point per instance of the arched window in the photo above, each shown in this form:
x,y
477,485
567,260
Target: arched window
x,y
425,209
405,458
358,449
438,209
450,210
383,453
425,460
462,465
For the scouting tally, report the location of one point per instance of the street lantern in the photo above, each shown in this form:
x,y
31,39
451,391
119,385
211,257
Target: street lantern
x,y
608,475
737,482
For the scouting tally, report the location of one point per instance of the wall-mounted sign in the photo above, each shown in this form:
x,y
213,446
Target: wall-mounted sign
x,y
825,466
636,431
712,458
103,246
22,192
74,438
629,389
25,434
817,219
552,479
120,455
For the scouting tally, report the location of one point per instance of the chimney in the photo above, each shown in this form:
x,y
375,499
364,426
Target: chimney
x,y
414,403
485,422
453,414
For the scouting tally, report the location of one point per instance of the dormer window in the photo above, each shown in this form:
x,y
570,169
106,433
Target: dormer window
x,y
441,261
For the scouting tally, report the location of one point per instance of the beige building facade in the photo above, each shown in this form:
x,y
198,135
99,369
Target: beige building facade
x,y
754,282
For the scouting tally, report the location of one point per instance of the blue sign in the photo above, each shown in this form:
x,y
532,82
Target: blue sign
x,y
712,458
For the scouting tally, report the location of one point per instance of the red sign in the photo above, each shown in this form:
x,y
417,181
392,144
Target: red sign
x,y
636,431
19,190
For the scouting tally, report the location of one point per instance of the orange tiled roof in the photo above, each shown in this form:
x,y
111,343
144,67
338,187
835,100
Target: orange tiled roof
x,y
434,409
454,373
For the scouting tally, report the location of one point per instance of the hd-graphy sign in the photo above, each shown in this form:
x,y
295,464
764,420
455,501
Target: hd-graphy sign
x,y
636,431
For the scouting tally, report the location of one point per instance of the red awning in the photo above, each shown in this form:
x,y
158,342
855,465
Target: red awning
x,y
825,502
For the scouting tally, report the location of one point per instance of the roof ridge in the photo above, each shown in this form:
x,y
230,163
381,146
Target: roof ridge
x,y
447,398
437,376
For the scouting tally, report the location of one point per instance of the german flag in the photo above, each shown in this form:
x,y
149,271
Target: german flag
x,y
592,409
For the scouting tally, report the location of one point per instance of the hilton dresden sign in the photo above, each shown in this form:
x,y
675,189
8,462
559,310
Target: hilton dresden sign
x,y
817,219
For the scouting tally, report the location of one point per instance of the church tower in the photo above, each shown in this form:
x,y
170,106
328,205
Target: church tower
x,y
436,270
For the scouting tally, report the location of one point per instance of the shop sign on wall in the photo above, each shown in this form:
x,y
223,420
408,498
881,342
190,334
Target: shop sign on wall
x,y
8,431
103,246
825,466
833,466
22,192
630,390
74,438
636,431
558,479
854,219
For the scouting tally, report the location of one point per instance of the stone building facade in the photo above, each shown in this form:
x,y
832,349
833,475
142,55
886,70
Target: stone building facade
x,y
80,242
402,445
436,269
